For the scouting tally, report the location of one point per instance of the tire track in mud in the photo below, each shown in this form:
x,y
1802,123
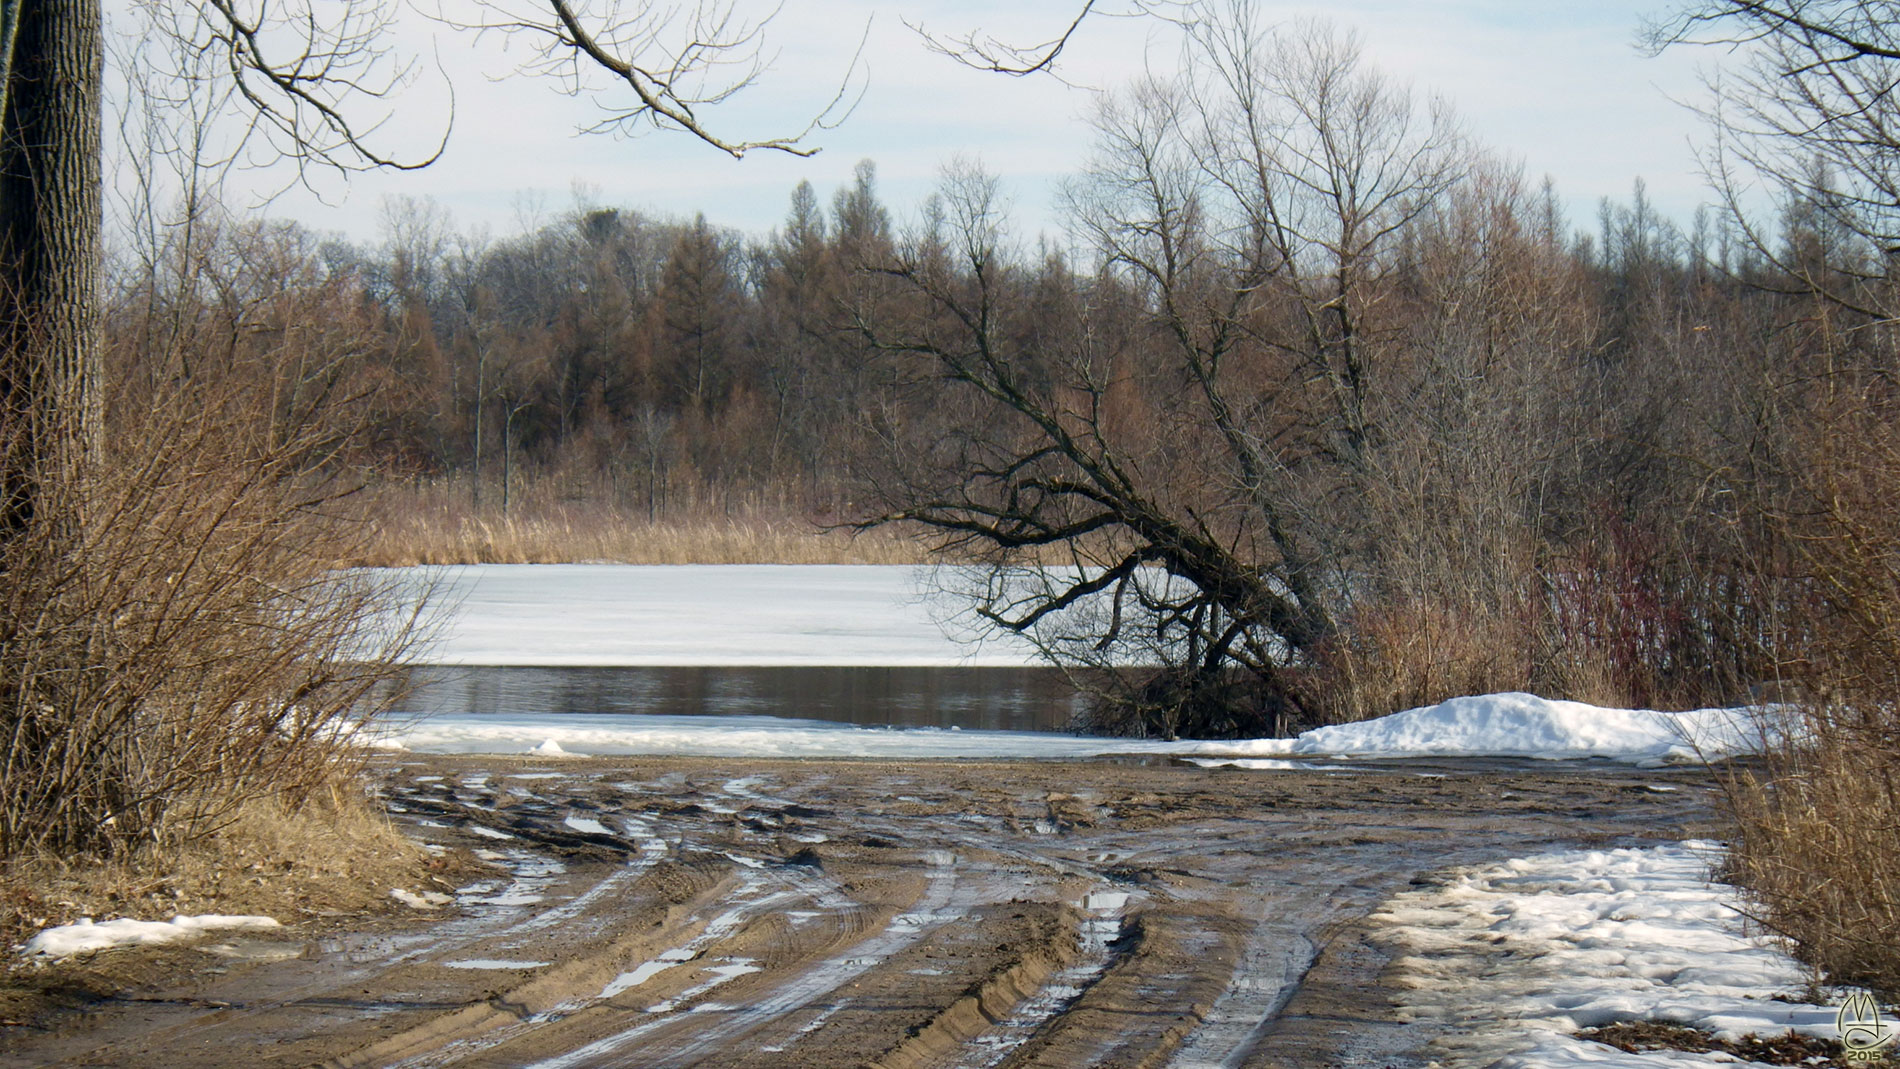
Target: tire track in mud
x,y
342,965
928,915
724,1023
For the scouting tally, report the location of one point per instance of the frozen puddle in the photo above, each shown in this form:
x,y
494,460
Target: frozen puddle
x,y
587,825
494,963
627,981
721,974
1512,958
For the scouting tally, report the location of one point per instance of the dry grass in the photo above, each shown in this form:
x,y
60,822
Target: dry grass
x,y
432,526
335,855
1818,825
175,643
1817,848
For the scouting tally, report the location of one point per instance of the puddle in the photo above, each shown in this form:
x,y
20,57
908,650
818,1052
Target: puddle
x,y
257,950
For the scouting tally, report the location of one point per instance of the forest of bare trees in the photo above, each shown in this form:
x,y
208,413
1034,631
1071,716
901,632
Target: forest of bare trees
x,y
1394,425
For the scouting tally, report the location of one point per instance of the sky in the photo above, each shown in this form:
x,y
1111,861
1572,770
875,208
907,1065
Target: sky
x,y
1559,87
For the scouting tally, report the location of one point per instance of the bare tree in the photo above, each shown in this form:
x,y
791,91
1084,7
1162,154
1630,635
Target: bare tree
x,y
1809,119
1251,211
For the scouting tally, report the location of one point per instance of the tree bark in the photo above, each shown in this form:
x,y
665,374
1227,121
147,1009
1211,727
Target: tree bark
x,y
50,222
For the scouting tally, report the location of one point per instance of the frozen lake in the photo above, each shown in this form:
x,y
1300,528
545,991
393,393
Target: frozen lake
x,y
875,646
959,696
670,616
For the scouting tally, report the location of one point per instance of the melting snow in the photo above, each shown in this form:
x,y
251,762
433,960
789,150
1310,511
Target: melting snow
x,y
70,939
1494,725
1516,956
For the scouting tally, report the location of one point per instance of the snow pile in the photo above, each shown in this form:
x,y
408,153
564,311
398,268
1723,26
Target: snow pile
x,y
711,614
70,939
1525,725
1517,956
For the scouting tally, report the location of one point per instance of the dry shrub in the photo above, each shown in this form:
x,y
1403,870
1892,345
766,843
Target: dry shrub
x,y
173,641
1819,822
1410,655
1817,846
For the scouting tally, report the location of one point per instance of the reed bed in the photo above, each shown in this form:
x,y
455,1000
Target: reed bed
x,y
439,525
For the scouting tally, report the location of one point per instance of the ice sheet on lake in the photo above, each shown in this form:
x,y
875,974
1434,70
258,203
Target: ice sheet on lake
x,y
687,615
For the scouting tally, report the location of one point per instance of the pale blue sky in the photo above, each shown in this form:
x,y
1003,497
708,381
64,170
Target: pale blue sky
x,y
1558,86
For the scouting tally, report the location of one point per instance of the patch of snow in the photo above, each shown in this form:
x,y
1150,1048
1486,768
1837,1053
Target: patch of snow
x,y
84,935
425,900
1516,956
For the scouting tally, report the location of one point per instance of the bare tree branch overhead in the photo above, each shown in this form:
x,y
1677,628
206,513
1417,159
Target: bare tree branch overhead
x,y
320,81
1808,119
988,53
997,55
664,67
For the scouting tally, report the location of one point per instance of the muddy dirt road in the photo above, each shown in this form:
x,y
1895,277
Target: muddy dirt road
x,y
723,913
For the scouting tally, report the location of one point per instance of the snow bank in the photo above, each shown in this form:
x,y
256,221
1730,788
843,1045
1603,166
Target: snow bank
x,y
1524,725
1496,725
715,614
1517,956
70,939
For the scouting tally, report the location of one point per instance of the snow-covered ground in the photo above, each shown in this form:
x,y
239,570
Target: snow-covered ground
x,y
684,615
1515,957
1508,725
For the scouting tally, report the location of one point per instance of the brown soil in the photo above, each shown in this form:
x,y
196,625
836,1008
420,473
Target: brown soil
x,y
674,912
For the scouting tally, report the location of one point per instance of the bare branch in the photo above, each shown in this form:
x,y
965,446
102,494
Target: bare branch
x,y
675,64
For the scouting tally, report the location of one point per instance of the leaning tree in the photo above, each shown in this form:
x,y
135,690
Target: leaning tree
x,y
1179,474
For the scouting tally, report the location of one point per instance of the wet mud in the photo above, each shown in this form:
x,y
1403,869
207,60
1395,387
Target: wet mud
x,y
922,915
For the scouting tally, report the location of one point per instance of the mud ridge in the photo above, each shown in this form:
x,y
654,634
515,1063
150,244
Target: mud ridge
x,y
990,1001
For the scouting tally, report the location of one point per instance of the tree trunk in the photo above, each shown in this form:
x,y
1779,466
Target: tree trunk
x,y
49,249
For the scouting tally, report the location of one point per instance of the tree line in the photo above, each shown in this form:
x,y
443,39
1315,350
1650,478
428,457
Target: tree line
x,y
1394,425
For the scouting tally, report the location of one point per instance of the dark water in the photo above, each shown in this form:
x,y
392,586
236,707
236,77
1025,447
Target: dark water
x,y
992,699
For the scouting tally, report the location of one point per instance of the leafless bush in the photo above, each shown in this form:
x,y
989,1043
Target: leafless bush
x,y
1818,822
173,641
